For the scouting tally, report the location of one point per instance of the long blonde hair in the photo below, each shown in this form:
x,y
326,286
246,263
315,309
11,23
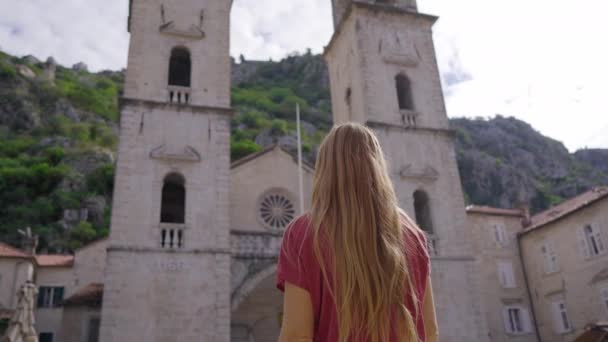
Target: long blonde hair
x,y
355,215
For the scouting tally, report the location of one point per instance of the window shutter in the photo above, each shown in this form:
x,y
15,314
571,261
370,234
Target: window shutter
x,y
41,295
598,239
506,274
511,275
506,320
557,319
502,277
526,321
583,244
57,296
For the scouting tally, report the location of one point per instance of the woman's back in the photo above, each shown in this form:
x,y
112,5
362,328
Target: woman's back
x,y
356,264
299,266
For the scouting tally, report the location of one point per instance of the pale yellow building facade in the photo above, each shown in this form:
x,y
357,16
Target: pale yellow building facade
x,y
503,290
564,251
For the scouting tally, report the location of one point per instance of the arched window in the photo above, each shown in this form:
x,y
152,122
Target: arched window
x,y
173,204
422,207
404,92
180,67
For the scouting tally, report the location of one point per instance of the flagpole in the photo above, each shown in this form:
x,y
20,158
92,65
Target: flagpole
x,y
300,176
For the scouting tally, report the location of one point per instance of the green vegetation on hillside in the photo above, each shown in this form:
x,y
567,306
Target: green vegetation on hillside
x,y
59,134
47,128
266,101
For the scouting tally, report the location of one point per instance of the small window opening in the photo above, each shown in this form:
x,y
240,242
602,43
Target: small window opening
x,y
180,68
173,204
422,209
404,92
348,96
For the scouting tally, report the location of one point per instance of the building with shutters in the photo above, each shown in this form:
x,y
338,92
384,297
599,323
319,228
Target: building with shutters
x,y
564,254
503,293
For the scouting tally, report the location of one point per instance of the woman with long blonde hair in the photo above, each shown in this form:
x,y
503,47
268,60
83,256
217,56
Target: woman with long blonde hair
x,y
356,267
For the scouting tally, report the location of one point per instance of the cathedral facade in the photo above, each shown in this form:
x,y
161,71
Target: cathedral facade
x,y
176,246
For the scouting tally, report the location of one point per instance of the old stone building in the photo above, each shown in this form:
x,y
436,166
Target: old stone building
x,y
194,239
168,262
503,291
564,252
16,267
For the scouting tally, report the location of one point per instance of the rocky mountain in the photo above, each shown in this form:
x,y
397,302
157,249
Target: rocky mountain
x,y
504,162
59,128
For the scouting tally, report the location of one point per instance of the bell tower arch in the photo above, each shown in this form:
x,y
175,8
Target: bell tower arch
x,y
168,260
382,56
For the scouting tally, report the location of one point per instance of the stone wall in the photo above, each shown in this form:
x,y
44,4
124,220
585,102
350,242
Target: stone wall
x,y
175,294
274,170
494,297
14,272
200,27
90,263
76,323
155,296
578,280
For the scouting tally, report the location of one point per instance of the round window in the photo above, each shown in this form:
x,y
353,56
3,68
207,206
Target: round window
x,y
276,210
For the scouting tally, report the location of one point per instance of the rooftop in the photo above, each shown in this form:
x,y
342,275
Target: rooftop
x,y
567,207
481,209
265,150
46,260
90,295
11,252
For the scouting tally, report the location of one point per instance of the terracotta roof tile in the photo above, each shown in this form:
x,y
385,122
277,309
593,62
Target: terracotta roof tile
x,y
90,295
568,207
480,209
11,252
45,260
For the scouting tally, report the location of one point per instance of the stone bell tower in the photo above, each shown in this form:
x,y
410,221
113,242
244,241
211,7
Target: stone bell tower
x,y
168,266
384,74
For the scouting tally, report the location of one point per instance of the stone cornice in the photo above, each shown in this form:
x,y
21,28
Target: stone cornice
x,y
443,131
137,249
195,109
453,258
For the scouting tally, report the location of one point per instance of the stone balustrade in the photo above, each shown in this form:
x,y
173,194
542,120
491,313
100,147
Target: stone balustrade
x,y
179,95
255,244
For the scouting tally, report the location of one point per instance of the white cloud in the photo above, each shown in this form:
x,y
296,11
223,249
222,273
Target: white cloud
x,y
542,61
69,30
263,29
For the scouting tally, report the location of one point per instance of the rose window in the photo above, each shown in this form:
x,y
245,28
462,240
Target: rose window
x,y
276,211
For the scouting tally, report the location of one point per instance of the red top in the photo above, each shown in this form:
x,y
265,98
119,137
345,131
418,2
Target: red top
x,y
299,266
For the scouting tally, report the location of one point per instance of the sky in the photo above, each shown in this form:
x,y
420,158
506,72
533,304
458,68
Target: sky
x,y
542,61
